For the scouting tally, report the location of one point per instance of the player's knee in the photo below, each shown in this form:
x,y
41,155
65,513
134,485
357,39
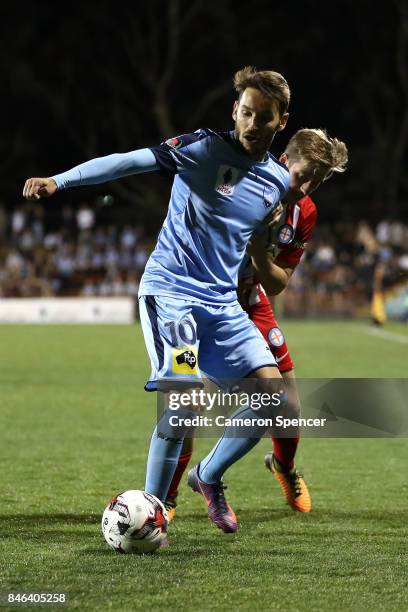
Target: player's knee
x,y
283,396
275,390
291,408
176,424
178,408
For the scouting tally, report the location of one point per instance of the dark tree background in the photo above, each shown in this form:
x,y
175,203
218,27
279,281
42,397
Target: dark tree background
x,y
86,79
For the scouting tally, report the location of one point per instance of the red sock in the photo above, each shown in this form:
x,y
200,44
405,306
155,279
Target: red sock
x,y
284,450
180,469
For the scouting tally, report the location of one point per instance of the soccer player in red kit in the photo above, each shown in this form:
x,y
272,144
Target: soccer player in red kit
x,y
286,245
272,259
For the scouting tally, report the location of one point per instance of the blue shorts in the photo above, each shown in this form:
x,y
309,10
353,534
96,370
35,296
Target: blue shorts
x,y
190,340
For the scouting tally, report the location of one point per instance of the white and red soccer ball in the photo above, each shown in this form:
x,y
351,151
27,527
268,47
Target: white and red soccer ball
x,y
135,522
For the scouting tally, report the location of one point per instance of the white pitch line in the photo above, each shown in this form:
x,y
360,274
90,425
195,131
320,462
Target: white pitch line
x,y
387,335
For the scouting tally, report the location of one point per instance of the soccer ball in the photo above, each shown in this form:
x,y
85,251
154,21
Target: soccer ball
x,y
135,522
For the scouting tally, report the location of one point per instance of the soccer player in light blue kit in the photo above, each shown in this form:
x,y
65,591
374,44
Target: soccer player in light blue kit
x,y
226,184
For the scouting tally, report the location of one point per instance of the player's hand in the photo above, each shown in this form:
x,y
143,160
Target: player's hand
x,y
274,216
37,188
256,247
258,243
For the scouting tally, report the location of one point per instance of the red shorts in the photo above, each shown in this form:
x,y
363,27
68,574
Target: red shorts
x,y
259,309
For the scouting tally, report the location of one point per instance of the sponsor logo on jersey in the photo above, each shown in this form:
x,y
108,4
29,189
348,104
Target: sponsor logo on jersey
x,y
269,196
184,361
174,143
275,336
300,245
279,359
227,178
286,234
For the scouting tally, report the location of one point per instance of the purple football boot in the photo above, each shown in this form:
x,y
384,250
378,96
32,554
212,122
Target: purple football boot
x,y
219,511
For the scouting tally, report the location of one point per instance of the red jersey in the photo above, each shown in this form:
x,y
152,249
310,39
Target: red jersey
x,y
288,239
287,242
294,234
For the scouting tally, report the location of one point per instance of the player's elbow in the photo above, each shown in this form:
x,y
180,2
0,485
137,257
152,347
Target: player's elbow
x,y
277,280
274,286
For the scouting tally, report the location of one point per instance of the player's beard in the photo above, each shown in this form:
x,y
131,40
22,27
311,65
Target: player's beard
x,y
257,146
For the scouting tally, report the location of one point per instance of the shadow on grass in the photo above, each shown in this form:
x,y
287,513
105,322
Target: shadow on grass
x,y
190,529
249,515
254,515
318,516
208,547
49,527
31,519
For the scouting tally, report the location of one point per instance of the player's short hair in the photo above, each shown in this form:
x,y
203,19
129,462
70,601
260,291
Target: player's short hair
x,y
317,147
270,83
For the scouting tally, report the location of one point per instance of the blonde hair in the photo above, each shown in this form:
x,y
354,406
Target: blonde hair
x,y
270,83
317,147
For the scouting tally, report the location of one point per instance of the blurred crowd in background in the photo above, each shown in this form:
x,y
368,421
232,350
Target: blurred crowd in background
x,y
353,269
136,98
75,251
43,256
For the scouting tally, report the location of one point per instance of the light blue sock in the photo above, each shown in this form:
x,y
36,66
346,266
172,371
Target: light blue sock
x,y
164,452
230,447
162,461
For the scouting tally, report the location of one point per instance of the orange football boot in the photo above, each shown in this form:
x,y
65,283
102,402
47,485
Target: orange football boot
x,y
292,484
170,504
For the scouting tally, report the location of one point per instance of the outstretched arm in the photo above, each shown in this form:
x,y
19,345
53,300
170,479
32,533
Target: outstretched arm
x,y
98,170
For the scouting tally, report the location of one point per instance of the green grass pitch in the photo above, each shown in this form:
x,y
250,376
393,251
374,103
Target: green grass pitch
x,y
75,426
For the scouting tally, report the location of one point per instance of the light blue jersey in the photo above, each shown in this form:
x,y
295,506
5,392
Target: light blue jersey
x,y
190,315
219,197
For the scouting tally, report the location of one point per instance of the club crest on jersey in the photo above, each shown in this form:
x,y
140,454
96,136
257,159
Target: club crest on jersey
x,y
286,234
269,196
174,143
227,178
275,336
